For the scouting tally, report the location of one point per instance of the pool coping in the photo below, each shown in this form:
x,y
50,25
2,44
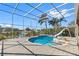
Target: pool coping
x,y
37,43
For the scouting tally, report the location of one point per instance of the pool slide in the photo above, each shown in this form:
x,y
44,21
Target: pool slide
x,y
62,32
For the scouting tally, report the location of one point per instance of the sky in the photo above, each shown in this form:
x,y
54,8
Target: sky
x,y
66,9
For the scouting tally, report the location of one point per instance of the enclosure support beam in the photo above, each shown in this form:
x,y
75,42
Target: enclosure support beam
x,y
13,16
32,9
76,23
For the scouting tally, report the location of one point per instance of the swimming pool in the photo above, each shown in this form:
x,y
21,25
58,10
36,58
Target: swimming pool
x,y
44,40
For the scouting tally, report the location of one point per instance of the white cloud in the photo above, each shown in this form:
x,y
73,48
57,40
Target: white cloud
x,y
1,24
5,25
57,14
63,12
69,14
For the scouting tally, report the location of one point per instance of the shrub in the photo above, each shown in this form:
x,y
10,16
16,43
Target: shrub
x,y
2,37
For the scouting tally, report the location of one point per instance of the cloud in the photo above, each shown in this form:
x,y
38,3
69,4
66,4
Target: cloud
x,y
63,12
5,25
69,14
1,24
8,25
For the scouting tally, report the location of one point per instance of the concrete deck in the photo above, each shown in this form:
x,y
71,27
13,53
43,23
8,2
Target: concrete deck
x,y
21,46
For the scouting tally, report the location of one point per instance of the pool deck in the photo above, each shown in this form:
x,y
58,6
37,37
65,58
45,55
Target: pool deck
x,y
21,46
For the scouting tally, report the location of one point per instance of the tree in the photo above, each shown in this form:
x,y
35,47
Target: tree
x,y
43,19
28,29
55,22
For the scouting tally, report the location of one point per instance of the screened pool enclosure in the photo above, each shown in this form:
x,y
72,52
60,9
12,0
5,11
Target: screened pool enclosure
x,y
20,21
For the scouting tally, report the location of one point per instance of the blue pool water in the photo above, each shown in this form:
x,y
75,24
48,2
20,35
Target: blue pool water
x,y
44,40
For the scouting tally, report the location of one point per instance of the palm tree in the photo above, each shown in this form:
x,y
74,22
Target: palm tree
x,y
56,23
43,19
